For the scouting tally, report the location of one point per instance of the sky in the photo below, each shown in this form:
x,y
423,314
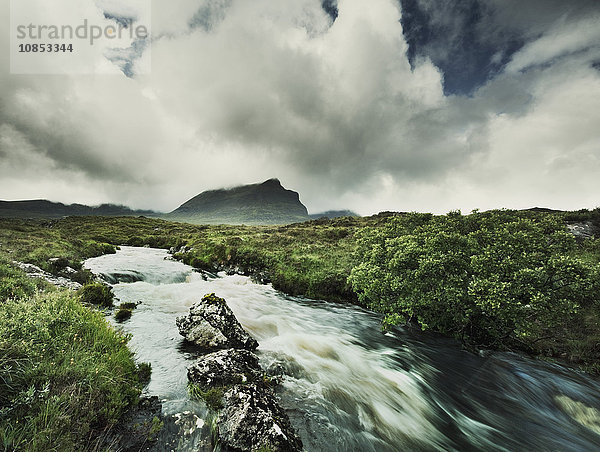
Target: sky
x,y
411,105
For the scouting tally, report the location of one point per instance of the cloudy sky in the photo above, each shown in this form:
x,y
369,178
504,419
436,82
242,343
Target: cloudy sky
x,y
424,105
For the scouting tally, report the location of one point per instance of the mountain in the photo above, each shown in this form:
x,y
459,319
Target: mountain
x,y
265,203
42,208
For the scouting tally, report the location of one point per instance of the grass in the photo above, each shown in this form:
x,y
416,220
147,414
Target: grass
x,y
311,259
65,374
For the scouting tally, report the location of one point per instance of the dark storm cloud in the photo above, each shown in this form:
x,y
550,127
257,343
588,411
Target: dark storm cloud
x,y
330,7
471,41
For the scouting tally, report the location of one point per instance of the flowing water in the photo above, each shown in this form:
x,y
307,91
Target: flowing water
x,y
347,386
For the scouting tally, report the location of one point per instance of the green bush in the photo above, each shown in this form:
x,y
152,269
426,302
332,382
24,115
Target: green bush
x,y
144,372
96,294
123,314
489,279
95,249
83,276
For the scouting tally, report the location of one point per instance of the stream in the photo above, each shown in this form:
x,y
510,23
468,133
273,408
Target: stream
x,y
347,386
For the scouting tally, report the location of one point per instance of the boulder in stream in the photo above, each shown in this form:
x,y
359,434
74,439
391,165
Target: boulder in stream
x,y
225,368
211,325
252,418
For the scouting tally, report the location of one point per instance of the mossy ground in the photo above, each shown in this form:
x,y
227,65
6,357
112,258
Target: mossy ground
x,y
213,397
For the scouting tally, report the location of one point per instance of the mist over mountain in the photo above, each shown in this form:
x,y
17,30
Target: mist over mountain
x,y
334,214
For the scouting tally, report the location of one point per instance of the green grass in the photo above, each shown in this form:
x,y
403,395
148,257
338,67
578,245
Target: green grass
x,y
65,374
96,294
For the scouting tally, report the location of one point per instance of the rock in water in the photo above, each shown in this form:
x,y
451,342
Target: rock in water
x,y
211,324
224,368
252,419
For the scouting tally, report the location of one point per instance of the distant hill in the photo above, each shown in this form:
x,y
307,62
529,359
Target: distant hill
x,y
333,214
265,203
46,209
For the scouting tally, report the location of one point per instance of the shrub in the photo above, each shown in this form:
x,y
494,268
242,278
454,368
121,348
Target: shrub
x,y
83,276
96,294
95,249
123,314
144,372
490,279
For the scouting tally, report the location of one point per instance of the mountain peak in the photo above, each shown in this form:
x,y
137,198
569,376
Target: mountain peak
x,y
263,203
274,182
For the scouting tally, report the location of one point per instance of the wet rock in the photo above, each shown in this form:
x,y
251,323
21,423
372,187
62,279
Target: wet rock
x,y
249,416
211,324
128,276
184,431
33,271
583,230
224,368
252,418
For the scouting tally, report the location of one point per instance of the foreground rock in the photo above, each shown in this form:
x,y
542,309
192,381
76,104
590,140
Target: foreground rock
x,y
212,325
232,383
225,368
252,418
